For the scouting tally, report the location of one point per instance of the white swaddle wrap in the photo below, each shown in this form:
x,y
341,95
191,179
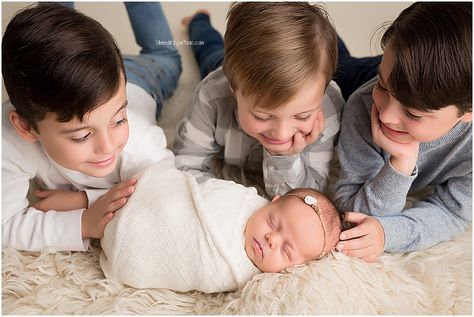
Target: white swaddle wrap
x,y
176,234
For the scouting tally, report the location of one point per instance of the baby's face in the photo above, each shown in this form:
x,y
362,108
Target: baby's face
x,y
284,233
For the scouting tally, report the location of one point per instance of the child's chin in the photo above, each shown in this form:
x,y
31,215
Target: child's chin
x,y
278,148
99,173
279,151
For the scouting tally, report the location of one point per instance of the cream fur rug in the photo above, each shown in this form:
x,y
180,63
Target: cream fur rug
x,y
434,281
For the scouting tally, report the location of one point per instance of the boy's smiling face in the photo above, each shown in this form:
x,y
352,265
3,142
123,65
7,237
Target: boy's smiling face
x,y
92,146
405,125
275,129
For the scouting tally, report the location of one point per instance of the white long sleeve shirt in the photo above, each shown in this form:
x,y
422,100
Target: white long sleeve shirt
x,y
26,228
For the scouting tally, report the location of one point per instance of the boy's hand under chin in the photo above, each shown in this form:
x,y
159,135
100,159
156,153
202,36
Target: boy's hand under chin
x,y
300,141
403,155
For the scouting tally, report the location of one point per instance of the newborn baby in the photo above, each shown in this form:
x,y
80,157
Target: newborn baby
x,y
213,237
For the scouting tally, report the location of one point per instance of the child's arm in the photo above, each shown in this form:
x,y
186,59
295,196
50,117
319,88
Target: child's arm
x,y
25,227
65,200
439,217
60,200
309,168
195,143
367,179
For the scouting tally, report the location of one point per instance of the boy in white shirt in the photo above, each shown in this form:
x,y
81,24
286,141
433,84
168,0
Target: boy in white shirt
x,y
80,121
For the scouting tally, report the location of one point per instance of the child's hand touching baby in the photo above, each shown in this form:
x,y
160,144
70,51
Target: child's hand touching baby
x,y
366,240
95,218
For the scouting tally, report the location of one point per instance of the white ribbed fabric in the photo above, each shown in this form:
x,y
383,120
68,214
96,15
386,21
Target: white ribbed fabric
x,y
176,234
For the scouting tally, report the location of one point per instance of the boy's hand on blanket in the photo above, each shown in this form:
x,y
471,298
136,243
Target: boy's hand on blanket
x,y
60,200
102,210
366,240
403,154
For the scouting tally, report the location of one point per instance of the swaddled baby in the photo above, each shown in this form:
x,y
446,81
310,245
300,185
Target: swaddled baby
x,y
174,233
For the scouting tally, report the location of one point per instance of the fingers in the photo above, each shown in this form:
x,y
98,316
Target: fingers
x,y
363,254
358,230
43,193
125,183
352,233
374,120
122,189
362,247
377,133
124,192
104,221
354,245
38,206
117,204
96,230
321,121
318,128
298,142
355,217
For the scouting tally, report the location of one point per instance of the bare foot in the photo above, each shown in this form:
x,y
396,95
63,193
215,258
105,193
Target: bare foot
x,y
185,21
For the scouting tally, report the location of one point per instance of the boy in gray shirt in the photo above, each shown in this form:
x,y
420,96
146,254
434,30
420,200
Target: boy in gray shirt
x,y
409,129
272,109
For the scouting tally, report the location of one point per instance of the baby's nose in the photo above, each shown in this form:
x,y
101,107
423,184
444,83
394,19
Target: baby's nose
x,y
272,240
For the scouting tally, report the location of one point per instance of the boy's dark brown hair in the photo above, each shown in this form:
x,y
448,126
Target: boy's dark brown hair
x,y
432,45
57,60
272,49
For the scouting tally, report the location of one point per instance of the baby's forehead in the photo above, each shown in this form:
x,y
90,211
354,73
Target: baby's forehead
x,y
293,205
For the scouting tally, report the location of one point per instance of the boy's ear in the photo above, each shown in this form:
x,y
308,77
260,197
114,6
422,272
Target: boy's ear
x,y
21,126
275,198
467,117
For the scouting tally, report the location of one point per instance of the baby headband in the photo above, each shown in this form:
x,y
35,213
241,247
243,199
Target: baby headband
x,y
313,203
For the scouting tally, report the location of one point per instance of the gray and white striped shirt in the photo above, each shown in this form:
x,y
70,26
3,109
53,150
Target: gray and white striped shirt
x,y
211,126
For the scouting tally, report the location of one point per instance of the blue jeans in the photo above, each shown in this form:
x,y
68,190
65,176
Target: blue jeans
x,y
158,66
351,72
210,55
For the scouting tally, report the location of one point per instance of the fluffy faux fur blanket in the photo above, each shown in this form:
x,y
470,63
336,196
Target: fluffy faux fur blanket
x,y
175,233
433,281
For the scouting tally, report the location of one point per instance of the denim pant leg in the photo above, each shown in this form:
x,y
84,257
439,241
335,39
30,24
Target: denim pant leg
x,y
210,55
353,72
158,67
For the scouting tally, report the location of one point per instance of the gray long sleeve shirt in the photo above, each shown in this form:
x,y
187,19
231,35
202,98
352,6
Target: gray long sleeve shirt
x,y
211,126
369,184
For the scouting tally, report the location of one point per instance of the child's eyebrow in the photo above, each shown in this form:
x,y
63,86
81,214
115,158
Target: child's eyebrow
x,y
72,130
309,110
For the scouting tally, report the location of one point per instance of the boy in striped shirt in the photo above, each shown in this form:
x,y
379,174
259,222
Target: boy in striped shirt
x,y
272,109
